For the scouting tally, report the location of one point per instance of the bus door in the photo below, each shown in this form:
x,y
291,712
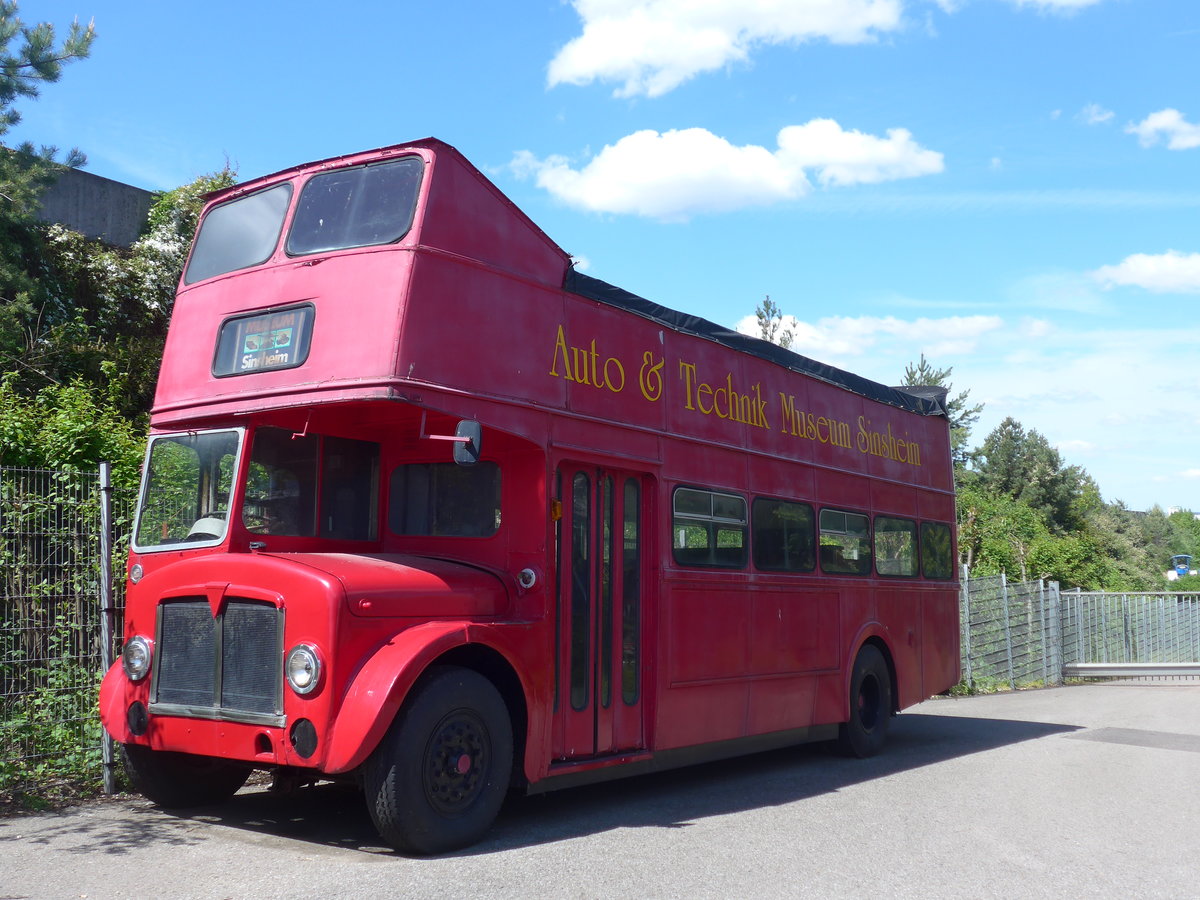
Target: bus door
x,y
602,590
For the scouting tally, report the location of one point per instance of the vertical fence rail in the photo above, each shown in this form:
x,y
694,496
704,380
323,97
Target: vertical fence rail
x,y
107,613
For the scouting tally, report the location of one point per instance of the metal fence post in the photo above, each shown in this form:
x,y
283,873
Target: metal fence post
x,y
106,612
1012,680
1056,634
965,613
1043,623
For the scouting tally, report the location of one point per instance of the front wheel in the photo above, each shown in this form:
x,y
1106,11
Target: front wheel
x,y
870,705
178,780
439,776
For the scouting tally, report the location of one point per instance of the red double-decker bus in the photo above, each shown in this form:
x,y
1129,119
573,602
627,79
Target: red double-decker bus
x,y
425,508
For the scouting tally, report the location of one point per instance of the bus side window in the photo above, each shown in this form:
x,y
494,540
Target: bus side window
x,y
350,490
895,546
845,543
936,555
709,529
784,536
445,500
281,484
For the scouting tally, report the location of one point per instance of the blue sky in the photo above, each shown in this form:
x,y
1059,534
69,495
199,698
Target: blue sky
x,y
1008,186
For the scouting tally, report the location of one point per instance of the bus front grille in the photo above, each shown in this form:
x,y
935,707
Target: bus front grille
x,y
228,667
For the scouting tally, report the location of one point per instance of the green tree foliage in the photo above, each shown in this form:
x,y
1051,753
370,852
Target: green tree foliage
x,y
29,58
963,415
115,303
82,324
770,324
1024,512
1023,465
67,426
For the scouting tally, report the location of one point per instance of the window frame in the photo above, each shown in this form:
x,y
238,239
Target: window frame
x,y
916,548
395,506
949,576
756,542
860,571
296,253
711,522
289,188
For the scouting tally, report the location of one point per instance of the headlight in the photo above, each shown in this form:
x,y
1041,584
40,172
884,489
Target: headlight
x,y
135,658
303,668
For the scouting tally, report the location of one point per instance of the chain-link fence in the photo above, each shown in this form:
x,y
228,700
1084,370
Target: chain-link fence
x,y
1011,631
1131,628
1022,633
51,630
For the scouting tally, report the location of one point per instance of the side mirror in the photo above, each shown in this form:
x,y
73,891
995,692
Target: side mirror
x,y
468,442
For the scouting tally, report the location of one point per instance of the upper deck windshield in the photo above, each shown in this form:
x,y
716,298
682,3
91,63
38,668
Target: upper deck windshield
x,y
239,234
361,206
185,495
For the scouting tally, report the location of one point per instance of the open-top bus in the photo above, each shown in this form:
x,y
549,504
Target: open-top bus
x,y
425,508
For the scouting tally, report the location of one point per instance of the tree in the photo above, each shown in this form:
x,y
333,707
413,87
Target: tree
x,y
962,416
24,68
770,324
29,58
1023,465
117,303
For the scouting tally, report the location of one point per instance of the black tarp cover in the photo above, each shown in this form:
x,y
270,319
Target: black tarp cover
x,y
926,401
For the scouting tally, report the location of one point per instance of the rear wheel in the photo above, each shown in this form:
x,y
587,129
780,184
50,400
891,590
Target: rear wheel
x,y
177,780
438,778
870,705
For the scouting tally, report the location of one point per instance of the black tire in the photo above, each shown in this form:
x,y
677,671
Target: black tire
x,y
870,705
438,778
179,780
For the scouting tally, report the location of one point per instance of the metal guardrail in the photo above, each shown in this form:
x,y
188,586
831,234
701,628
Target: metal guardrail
x,y
1132,670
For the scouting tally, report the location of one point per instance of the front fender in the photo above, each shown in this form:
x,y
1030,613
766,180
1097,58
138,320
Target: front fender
x,y
379,689
116,693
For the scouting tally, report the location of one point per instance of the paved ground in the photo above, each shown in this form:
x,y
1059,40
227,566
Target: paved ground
x,y
1089,791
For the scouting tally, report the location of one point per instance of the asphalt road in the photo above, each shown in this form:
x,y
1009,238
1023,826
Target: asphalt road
x,y
1089,791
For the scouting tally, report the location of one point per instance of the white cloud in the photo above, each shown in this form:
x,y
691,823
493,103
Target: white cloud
x,y
841,337
680,173
1074,447
1066,291
1180,134
1170,272
653,46
1190,473
1095,114
1056,5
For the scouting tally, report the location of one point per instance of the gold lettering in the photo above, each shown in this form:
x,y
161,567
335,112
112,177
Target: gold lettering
x,y
687,371
560,347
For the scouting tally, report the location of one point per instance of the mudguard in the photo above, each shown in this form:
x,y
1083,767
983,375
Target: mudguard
x,y
379,689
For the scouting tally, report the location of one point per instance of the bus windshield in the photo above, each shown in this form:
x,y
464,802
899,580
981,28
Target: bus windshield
x,y
356,207
185,493
239,234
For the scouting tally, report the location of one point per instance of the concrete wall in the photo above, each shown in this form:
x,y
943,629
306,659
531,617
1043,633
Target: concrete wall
x,y
97,207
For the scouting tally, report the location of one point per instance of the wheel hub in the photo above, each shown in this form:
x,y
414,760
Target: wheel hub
x,y
456,763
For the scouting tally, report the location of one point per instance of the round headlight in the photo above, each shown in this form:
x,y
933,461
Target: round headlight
x,y
303,668
135,658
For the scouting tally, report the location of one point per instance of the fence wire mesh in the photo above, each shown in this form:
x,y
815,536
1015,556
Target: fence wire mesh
x,y
1131,628
1010,631
50,630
